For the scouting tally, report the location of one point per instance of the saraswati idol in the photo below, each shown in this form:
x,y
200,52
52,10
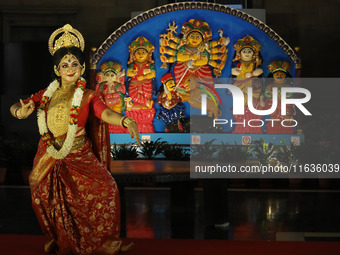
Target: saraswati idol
x,y
248,61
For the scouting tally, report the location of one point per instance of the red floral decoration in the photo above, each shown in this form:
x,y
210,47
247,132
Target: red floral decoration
x,y
47,140
74,112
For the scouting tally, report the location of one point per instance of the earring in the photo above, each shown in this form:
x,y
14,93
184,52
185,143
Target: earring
x,y
56,71
83,69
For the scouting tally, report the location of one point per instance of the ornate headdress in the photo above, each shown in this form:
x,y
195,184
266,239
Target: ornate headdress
x,y
247,42
279,65
199,26
70,38
141,42
110,66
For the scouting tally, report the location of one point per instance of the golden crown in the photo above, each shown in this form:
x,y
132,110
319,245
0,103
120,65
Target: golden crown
x,y
197,25
247,42
70,38
141,42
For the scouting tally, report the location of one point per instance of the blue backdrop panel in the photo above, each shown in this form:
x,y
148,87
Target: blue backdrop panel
x,y
185,139
235,28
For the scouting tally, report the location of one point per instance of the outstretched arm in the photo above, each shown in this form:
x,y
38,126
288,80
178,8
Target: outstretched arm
x,y
20,110
114,118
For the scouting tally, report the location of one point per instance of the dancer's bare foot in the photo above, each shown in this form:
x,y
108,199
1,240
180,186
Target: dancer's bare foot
x,y
127,247
51,247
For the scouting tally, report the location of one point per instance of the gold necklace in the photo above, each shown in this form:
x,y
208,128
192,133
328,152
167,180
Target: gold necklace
x,y
59,112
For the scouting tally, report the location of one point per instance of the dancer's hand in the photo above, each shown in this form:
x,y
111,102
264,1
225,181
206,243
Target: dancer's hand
x,y
131,125
25,110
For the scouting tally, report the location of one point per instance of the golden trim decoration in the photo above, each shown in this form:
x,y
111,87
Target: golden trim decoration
x,y
70,38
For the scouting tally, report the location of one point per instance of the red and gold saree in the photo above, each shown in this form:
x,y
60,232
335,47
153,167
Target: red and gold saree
x,y
76,200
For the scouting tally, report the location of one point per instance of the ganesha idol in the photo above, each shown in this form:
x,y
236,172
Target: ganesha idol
x,y
110,82
194,55
247,68
141,70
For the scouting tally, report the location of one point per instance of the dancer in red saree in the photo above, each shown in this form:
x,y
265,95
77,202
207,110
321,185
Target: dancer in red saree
x,y
74,196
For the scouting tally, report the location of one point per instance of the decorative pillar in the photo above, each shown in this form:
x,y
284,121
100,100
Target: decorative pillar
x,y
92,69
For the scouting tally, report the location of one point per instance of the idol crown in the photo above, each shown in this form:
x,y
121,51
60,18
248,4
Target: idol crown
x,y
199,26
141,42
247,42
279,65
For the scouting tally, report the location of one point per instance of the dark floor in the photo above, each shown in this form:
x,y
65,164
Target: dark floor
x,y
254,214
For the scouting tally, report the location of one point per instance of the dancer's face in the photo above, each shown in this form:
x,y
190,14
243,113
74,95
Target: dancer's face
x,y
70,69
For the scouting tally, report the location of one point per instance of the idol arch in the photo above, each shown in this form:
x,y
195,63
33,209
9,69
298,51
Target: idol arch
x,y
193,43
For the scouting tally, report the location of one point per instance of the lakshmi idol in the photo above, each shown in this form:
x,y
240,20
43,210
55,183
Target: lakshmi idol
x,y
141,70
74,196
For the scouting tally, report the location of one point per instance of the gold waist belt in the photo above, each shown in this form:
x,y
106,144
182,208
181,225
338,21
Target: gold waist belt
x,y
77,143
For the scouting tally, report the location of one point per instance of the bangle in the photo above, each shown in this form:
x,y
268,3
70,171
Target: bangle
x,y
122,121
126,121
17,113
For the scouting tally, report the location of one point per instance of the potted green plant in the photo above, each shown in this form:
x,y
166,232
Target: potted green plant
x,y
234,153
287,154
175,152
124,152
265,154
152,149
290,155
204,152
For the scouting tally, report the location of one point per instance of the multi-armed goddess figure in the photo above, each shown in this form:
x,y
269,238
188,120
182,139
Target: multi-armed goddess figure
x,y
194,53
